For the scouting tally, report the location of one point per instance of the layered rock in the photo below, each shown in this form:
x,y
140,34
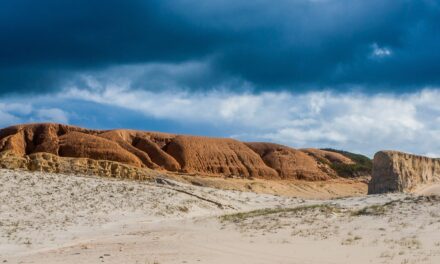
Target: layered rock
x,y
47,162
395,171
168,152
218,156
291,163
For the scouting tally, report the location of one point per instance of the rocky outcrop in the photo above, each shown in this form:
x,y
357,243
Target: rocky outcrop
x,y
291,163
395,171
47,162
218,156
161,151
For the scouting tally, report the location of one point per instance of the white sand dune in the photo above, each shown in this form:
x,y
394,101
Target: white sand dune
x,y
55,218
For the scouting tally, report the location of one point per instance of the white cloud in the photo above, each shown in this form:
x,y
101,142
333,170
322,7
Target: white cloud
x,y
432,155
12,113
7,119
50,115
352,121
356,122
380,52
17,108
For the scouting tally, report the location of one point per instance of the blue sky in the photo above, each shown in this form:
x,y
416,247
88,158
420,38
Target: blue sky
x,y
349,74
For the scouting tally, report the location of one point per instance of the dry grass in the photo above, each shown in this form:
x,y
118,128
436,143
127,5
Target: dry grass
x,y
238,217
376,210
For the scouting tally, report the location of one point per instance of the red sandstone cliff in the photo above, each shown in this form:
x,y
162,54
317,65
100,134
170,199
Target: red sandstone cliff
x,y
180,153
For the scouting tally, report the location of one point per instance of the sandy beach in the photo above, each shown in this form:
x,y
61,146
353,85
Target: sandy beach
x,y
56,218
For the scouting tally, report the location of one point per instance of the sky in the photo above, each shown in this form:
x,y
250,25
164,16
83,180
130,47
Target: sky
x,y
356,75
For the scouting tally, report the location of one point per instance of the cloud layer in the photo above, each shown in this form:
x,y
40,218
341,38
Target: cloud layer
x,y
352,74
14,113
354,121
290,45
358,122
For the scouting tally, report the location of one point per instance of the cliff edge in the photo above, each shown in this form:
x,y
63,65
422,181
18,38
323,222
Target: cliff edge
x,y
220,157
395,171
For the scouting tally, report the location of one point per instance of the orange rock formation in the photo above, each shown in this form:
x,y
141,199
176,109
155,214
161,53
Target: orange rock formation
x,y
177,153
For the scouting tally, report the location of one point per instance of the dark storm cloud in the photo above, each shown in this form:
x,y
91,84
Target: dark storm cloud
x,y
44,44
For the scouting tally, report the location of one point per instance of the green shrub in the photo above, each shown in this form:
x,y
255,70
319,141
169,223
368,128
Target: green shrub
x,y
362,165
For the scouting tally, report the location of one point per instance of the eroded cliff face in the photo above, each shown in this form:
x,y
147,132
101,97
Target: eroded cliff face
x,y
291,163
160,151
395,171
47,162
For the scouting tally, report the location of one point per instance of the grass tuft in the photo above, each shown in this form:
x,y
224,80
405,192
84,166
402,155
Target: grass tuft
x,y
376,209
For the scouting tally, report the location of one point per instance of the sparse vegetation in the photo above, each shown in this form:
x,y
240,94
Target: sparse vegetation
x,y
387,226
410,243
351,240
362,164
238,217
370,210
